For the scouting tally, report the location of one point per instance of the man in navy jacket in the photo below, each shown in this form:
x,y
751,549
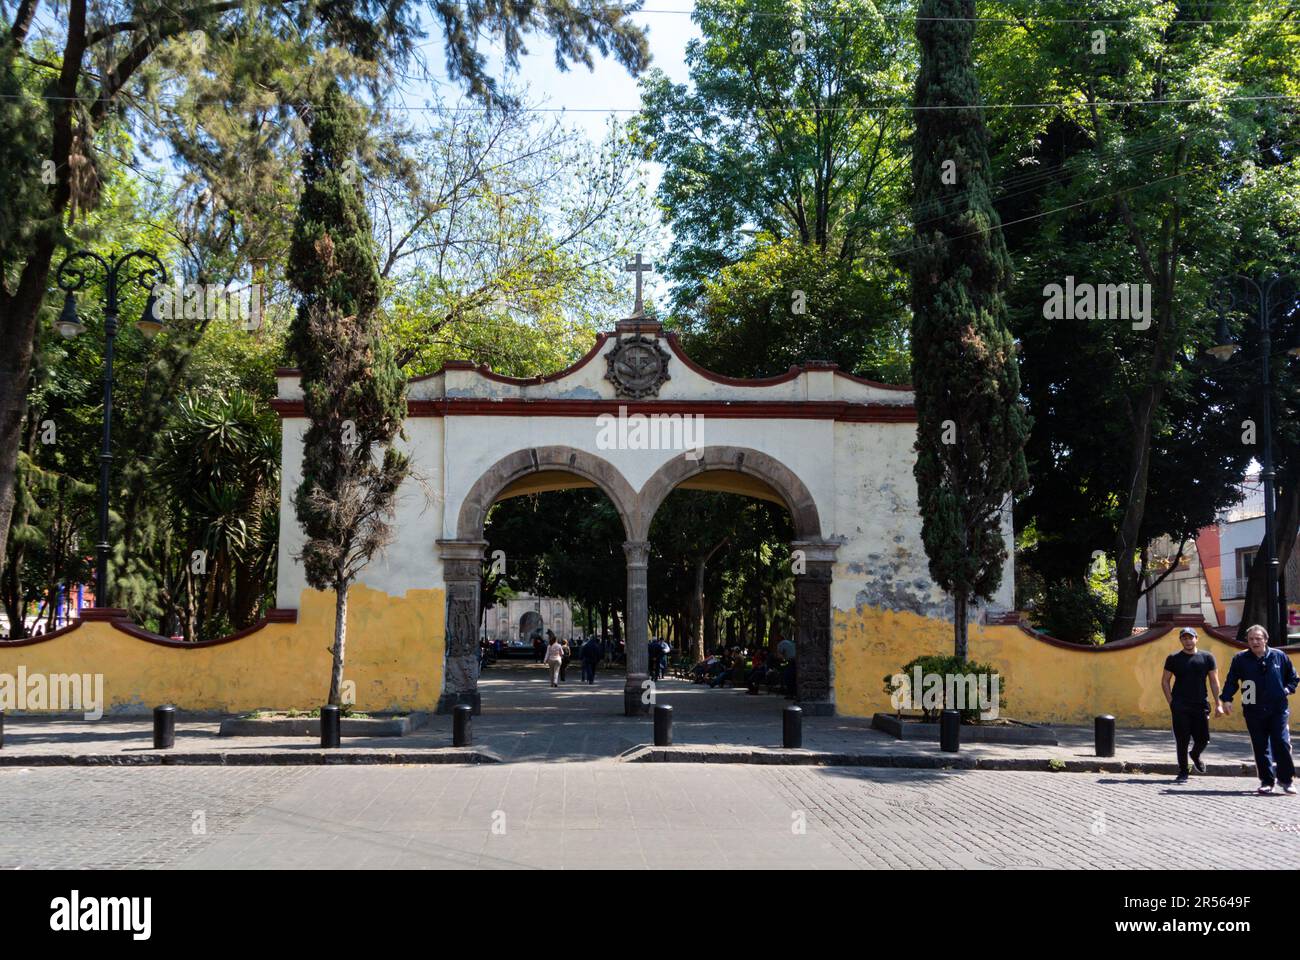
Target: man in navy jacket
x,y
1266,677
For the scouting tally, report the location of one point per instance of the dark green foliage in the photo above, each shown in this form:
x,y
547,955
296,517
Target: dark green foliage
x,y
963,357
940,666
574,27
787,303
774,133
1076,611
219,461
567,543
353,392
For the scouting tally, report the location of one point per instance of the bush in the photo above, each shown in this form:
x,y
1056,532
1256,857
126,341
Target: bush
x,y
944,667
1077,611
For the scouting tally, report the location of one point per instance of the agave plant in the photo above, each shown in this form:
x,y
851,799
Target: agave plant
x,y
220,461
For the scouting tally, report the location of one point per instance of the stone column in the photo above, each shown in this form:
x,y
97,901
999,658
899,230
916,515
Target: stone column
x,y
636,629
812,603
462,562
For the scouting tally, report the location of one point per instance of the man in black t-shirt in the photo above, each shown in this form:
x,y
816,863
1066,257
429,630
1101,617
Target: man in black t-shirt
x,y
1188,671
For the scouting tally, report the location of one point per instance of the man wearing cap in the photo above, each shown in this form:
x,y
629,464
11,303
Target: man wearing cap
x,y
1266,677
1188,670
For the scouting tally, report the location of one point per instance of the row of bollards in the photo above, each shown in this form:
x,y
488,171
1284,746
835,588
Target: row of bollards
x,y
950,733
791,726
1103,735
462,735
164,727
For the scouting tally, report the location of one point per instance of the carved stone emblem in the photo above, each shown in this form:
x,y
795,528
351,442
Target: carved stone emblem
x,y
638,367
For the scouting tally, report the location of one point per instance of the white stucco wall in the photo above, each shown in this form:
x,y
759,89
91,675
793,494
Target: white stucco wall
x,y
859,474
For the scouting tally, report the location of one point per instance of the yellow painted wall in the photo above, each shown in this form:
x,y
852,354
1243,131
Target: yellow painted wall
x,y
395,657
394,654
1043,683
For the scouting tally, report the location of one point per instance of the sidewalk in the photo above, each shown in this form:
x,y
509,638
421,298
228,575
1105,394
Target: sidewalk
x,y
524,720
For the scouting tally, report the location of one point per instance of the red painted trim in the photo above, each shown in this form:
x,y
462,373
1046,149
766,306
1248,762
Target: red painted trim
x,y
839,410
28,641
1226,635
273,616
874,383
1154,632
103,613
674,342
484,370
117,619
581,362
707,374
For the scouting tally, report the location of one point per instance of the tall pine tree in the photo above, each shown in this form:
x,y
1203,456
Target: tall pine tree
x,y
353,392
971,428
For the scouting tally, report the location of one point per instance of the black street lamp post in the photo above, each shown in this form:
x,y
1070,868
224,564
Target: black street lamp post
x,y
1238,291
73,274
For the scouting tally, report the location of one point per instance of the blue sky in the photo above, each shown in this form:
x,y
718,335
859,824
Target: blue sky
x,y
588,97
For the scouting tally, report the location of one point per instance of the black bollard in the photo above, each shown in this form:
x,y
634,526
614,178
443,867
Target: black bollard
x,y
329,726
2,728
663,725
1104,735
462,725
950,731
792,728
164,727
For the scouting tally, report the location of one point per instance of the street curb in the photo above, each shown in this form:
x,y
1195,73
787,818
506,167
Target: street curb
x,y
259,758
806,758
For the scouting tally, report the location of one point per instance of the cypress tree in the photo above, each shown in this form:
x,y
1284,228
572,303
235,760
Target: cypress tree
x,y
971,428
353,391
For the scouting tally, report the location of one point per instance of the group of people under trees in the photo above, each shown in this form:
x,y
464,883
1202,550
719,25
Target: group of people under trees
x,y
755,668
557,653
728,666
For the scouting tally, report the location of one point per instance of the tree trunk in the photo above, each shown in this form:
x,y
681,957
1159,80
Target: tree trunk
x,y
959,634
1129,589
340,637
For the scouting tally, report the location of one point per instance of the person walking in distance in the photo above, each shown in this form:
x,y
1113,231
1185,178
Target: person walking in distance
x,y
555,660
564,661
1266,677
590,654
787,651
1187,671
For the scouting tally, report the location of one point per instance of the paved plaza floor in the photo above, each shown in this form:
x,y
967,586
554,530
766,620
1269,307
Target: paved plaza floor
x,y
621,815
565,795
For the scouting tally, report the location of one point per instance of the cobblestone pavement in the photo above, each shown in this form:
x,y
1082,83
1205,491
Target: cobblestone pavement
x,y
609,814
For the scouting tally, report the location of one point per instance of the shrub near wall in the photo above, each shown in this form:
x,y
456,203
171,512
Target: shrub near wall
x,y
1054,682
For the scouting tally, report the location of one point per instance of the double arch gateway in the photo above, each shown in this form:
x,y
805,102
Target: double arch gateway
x,y
834,449
549,466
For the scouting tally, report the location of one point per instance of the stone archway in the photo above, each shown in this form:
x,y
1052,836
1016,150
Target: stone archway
x,y
462,557
541,460
812,557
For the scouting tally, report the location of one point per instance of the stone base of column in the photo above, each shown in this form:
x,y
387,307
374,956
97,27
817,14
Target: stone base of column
x,y
633,694
817,708
449,701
